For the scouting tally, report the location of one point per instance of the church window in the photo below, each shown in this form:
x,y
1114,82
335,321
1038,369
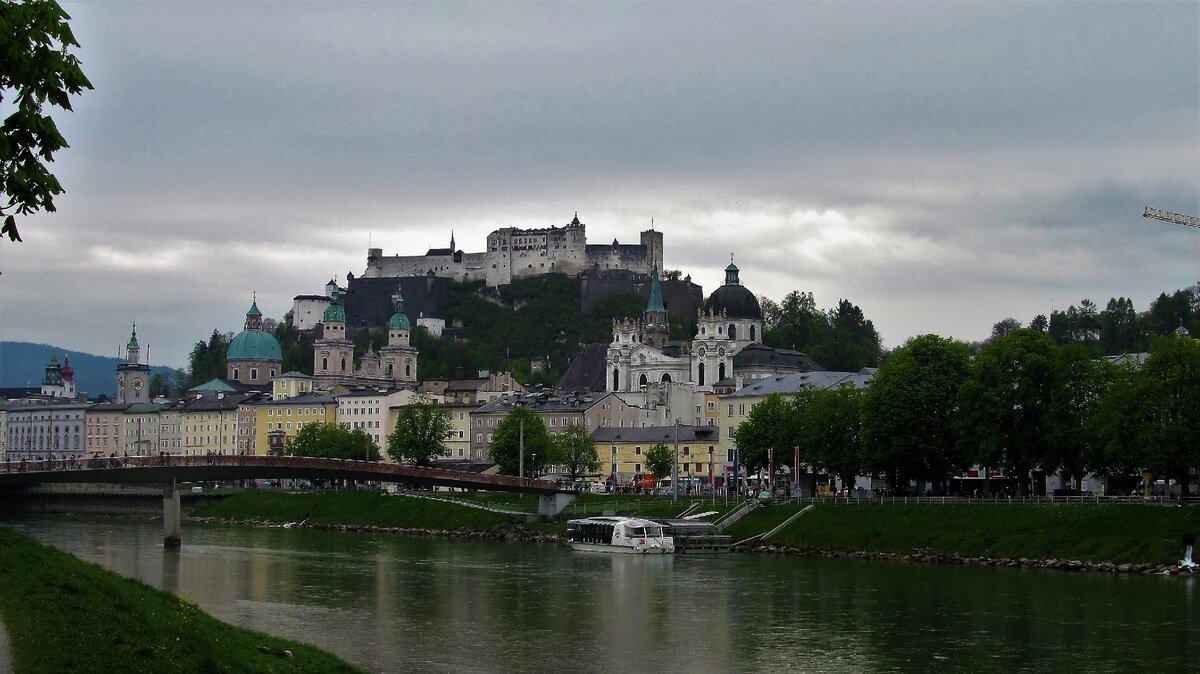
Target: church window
x,y
616,379
407,370
666,378
642,380
235,374
324,364
701,373
253,374
343,365
752,333
721,371
732,331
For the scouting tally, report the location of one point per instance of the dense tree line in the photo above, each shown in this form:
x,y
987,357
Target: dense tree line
x,y
840,339
1118,327
1022,404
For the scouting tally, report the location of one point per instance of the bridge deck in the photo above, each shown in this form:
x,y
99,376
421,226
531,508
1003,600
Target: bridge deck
x,y
167,469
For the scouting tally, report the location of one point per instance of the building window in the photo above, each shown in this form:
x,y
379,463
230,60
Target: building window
x,y
254,374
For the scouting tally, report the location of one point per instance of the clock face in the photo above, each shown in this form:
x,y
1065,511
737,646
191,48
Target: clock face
x,y
616,358
137,383
120,381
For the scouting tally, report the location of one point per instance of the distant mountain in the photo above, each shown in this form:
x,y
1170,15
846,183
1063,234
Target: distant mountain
x,y
24,363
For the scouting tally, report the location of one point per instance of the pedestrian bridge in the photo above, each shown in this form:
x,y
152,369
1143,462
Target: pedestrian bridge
x,y
170,470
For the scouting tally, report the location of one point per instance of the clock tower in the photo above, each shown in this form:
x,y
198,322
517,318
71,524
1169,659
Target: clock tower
x,y
133,376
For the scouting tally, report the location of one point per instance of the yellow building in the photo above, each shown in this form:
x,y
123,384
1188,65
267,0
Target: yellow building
x,y
623,451
458,445
210,423
277,420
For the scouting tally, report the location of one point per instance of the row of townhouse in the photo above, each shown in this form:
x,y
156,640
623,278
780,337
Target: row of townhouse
x,y
229,422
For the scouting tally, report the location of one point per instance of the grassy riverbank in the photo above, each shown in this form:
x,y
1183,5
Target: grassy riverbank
x,y
1117,533
1106,532
64,615
355,508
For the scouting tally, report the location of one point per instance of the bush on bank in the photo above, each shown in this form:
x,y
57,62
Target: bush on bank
x,y
65,615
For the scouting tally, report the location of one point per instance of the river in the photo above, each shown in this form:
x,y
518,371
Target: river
x,y
395,604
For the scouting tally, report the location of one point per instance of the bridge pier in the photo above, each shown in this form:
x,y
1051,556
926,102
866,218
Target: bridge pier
x,y
553,504
171,532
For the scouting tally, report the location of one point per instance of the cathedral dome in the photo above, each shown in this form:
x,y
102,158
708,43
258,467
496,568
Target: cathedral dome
x,y
733,298
334,313
254,345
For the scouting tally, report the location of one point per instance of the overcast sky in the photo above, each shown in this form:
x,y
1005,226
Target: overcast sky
x,y
942,165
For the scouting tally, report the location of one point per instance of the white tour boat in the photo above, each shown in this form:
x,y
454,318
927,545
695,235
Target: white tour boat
x,y
619,534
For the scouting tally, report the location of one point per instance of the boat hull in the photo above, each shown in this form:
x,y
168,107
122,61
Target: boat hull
x,y
620,549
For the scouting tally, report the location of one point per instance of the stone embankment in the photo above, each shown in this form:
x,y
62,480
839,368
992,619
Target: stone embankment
x,y
1022,562
504,532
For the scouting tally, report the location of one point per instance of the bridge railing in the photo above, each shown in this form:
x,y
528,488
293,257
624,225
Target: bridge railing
x,y
378,470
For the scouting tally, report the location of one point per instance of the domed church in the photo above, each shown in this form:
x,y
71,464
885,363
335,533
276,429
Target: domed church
x,y
254,356
729,325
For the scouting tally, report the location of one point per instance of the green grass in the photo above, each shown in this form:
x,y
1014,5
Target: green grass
x,y
64,615
1116,533
352,508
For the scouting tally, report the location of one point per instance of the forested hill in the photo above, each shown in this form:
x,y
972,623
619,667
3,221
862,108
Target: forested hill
x,y
24,363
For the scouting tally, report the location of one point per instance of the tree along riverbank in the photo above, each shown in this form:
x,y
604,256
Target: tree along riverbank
x,y
1129,538
64,615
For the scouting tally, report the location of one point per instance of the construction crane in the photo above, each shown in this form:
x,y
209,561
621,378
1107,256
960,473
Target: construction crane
x,y
1178,219
1167,216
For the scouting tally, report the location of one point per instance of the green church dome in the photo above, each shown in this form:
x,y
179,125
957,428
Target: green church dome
x,y
335,313
254,345
399,321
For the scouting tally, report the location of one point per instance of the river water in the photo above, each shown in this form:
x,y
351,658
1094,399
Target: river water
x,y
395,604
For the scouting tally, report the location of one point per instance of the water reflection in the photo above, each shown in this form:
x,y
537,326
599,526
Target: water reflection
x,y
389,603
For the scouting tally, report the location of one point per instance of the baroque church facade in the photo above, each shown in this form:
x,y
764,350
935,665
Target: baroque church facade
x,y
641,355
393,366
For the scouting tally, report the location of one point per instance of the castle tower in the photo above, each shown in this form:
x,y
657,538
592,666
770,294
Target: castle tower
x,y
133,377
399,358
655,328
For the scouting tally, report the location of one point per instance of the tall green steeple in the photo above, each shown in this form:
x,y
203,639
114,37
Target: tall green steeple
x,y
655,330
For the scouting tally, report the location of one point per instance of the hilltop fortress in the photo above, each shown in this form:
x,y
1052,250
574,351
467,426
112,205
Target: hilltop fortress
x,y
514,253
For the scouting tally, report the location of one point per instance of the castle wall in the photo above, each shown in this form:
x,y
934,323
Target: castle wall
x,y
514,253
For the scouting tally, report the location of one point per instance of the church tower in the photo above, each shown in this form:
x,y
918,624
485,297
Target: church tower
x,y
655,330
133,377
333,353
399,358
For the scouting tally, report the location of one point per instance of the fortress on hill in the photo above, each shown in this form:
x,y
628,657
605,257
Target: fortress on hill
x,y
514,253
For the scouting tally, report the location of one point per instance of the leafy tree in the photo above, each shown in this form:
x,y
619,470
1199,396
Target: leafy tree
x,y
39,68
1079,381
420,434
1167,390
1006,404
1004,327
574,450
672,274
850,342
1119,330
1040,323
207,360
909,412
1113,425
158,385
794,322
660,460
771,425
831,431
331,441
506,442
